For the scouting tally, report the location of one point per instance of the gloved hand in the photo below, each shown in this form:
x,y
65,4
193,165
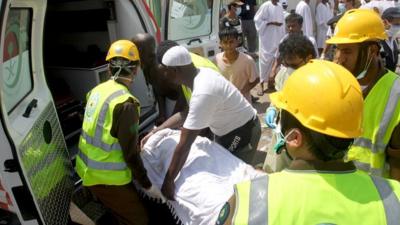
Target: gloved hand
x,y
270,116
154,192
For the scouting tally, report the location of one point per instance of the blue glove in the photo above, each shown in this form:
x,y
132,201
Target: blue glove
x,y
270,116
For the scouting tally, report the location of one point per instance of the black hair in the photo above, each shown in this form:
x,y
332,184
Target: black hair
x,y
294,17
322,146
163,47
228,32
296,44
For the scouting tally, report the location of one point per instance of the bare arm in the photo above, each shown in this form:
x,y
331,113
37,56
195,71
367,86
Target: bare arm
x,y
250,86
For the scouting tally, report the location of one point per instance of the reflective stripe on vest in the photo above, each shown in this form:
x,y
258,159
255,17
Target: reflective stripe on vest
x,y
101,165
252,201
381,116
255,211
390,201
96,141
390,108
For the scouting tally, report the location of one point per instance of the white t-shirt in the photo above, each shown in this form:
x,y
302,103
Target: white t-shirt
x,y
216,103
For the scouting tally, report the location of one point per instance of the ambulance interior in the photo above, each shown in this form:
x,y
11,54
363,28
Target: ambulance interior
x,y
77,35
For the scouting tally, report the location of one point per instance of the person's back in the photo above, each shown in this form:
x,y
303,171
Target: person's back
x,y
304,195
226,108
319,187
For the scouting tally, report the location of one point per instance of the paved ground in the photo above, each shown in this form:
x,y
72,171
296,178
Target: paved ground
x,y
261,105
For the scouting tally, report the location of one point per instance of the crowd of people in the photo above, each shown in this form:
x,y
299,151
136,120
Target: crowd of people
x,y
334,113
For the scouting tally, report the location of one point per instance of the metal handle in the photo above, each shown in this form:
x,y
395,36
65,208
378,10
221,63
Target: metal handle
x,y
193,40
32,104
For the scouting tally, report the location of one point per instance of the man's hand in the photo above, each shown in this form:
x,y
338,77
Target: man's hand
x,y
168,189
142,178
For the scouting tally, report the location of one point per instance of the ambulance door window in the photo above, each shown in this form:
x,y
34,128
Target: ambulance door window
x,y
189,18
16,73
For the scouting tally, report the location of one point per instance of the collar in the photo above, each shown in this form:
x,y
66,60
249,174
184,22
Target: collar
x,y
320,166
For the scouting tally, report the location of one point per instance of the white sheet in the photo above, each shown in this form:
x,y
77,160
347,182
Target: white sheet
x,y
206,180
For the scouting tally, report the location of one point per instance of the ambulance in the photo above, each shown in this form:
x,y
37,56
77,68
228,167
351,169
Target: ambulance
x,y
51,54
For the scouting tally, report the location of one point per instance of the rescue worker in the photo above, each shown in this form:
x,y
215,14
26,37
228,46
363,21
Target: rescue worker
x,y
319,187
357,36
108,146
215,103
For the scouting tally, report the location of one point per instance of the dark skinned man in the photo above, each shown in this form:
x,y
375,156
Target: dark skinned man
x,y
357,36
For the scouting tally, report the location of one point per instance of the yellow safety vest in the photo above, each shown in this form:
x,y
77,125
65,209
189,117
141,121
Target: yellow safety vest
x,y
198,62
381,116
296,197
100,159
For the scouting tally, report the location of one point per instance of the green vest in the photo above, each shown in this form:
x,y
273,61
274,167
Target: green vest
x,y
311,198
198,62
381,116
100,159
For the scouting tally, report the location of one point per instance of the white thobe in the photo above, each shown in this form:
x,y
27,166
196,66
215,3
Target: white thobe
x,y
269,35
322,16
303,9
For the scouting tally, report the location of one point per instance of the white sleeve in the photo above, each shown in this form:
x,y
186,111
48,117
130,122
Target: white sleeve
x,y
261,18
201,111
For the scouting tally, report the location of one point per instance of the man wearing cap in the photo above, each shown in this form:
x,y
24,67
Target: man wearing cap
x,y
357,36
231,19
215,103
391,19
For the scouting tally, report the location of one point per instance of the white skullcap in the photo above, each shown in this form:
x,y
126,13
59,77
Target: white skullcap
x,y
176,56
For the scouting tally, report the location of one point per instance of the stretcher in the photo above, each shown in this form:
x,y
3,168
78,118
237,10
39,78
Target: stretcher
x,y
206,180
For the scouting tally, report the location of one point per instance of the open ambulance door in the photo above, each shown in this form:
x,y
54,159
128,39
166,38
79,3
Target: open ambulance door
x,y
34,165
193,24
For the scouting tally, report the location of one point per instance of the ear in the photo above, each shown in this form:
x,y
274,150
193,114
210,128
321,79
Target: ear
x,y
386,23
295,138
374,50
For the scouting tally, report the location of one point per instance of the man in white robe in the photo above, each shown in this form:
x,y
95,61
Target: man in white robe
x,y
269,21
322,16
304,10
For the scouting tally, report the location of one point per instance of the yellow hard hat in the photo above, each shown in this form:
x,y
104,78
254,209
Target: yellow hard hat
x,y
324,97
358,25
125,49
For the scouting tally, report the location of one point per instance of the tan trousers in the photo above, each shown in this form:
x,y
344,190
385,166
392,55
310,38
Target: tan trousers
x,y
124,203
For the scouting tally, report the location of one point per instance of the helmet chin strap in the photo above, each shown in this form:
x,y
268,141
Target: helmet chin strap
x,y
116,75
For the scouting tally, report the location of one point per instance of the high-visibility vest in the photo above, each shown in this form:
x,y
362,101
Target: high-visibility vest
x,y
381,116
100,158
296,197
198,62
